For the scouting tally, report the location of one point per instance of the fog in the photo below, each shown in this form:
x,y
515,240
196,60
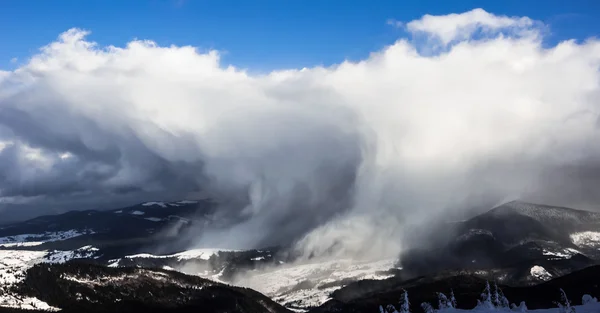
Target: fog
x,y
463,112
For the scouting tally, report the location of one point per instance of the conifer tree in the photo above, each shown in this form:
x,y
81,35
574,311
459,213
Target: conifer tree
x,y
443,301
564,306
452,299
427,308
404,303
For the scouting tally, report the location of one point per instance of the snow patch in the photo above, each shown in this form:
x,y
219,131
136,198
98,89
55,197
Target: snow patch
x,y
203,254
13,264
561,254
161,204
154,219
64,256
27,303
544,213
187,202
540,273
22,244
137,213
217,277
586,239
114,263
30,240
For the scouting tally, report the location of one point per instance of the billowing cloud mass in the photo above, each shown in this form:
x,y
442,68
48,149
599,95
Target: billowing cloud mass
x,y
340,158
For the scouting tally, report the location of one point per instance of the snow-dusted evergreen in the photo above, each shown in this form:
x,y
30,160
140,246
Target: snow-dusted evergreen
x,y
564,306
486,301
588,299
499,299
444,302
427,308
521,308
453,301
404,303
403,308
495,302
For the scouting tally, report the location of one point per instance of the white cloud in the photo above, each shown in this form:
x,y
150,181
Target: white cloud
x,y
457,27
358,149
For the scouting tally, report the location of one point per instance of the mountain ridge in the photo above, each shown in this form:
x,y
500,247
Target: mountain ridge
x,y
518,244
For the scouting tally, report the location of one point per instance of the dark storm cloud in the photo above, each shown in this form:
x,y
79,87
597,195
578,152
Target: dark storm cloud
x,y
79,159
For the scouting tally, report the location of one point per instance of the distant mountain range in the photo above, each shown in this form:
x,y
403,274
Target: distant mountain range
x,y
516,243
136,254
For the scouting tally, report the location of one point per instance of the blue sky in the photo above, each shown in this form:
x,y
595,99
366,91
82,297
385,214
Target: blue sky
x,y
263,34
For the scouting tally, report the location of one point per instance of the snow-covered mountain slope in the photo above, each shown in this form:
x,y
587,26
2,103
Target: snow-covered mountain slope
x,y
570,231
202,254
303,286
83,287
216,264
548,214
58,256
30,240
518,222
14,264
299,286
586,239
511,239
124,231
109,220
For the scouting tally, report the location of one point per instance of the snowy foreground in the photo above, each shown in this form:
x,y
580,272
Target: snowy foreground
x,y
493,301
584,308
587,308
